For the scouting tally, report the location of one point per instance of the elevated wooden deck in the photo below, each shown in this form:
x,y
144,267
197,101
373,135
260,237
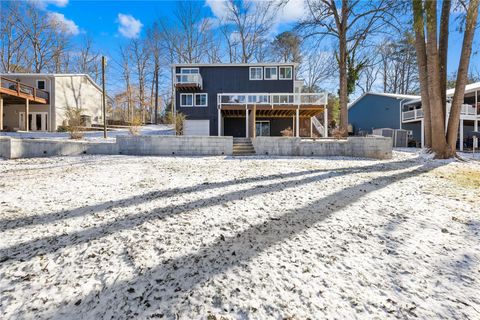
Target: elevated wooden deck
x,y
13,91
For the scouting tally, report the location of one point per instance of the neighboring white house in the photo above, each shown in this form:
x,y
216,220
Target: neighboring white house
x,y
46,97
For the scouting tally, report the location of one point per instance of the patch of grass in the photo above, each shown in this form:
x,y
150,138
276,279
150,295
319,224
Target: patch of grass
x,y
469,178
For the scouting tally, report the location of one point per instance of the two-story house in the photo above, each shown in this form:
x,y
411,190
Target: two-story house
x,y
246,100
45,99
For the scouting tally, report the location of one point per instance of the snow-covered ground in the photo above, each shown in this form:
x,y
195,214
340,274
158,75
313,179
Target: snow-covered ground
x,y
116,237
92,135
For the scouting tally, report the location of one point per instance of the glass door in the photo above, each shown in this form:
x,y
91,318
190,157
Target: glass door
x,y
262,128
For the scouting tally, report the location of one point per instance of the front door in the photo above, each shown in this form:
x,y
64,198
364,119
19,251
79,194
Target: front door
x,y
37,121
262,128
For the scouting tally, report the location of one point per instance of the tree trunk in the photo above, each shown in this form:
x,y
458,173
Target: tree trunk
x,y
462,75
342,64
439,141
422,68
443,50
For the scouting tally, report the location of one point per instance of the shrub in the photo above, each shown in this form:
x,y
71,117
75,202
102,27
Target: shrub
x,y
339,133
177,120
134,128
74,122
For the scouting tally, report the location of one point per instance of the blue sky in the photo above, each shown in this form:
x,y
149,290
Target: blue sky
x,y
112,22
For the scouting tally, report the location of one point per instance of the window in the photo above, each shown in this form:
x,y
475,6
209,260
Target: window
x,y
201,99
41,84
256,73
186,100
285,73
189,70
270,73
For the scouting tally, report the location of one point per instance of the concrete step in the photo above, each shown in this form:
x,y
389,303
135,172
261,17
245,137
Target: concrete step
x,y
243,147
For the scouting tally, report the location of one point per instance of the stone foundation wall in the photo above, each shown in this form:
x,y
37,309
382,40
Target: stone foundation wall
x,y
363,147
11,148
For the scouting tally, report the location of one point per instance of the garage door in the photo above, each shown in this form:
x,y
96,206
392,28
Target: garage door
x,y
196,128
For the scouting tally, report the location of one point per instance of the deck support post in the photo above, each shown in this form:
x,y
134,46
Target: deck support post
x,y
1,114
475,123
461,135
246,122
311,127
219,122
325,122
27,111
422,132
297,122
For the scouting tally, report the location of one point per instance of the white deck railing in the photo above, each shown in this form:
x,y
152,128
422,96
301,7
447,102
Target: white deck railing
x,y
466,109
189,78
272,98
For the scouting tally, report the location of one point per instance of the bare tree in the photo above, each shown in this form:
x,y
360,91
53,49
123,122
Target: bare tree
x,y
316,67
250,22
286,47
350,25
188,36
140,58
431,54
12,44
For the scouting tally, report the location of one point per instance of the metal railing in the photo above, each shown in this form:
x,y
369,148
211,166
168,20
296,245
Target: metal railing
x,y
466,109
189,78
272,98
23,89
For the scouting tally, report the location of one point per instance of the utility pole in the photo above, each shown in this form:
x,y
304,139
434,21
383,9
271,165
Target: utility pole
x,y
156,93
104,98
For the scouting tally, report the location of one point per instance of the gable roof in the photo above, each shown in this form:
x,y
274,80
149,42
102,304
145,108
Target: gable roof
x,y
388,95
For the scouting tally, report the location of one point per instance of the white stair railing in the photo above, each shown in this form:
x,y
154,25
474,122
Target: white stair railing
x,y
318,126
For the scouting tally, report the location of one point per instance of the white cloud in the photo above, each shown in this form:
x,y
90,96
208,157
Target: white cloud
x,y
58,3
66,25
289,12
218,7
293,11
129,27
43,3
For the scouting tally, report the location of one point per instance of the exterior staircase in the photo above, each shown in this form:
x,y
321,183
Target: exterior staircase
x,y
243,147
318,126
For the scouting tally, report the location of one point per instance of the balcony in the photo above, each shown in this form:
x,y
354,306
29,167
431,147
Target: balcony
x,y
272,104
16,89
272,99
467,111
188,81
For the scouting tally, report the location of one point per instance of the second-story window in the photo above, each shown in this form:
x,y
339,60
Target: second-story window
x,y
41,84
201,99
186,100
256,73
285,73
270,73
188,70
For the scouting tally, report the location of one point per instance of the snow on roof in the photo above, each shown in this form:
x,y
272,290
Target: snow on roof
x,y
468,88
389,95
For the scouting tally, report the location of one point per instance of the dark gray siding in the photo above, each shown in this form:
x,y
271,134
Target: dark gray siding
x,y
373,112
228,79
277,125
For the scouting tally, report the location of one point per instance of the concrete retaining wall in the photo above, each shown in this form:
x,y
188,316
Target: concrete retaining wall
x,y
365,147
11,148
175,145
